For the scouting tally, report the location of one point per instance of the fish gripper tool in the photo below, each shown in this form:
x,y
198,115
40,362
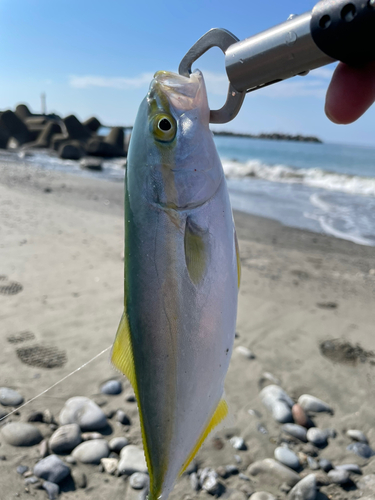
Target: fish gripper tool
x,y
335,30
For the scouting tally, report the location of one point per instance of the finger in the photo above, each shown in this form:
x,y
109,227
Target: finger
x,y
350,93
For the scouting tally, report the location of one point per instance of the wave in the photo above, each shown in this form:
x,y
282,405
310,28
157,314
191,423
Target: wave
x,y
315,177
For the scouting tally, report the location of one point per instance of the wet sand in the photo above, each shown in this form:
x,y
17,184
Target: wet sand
x,y
61,238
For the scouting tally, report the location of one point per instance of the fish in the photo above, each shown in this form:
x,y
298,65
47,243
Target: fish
x,y
181,277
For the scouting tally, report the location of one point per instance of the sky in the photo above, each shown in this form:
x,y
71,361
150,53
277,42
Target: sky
x,y
98,58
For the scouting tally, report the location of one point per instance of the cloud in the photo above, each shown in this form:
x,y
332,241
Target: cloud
x,y
120,83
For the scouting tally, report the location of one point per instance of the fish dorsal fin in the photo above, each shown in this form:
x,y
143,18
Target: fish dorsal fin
x,y
122,352
219,414
195,251
237,258
123,360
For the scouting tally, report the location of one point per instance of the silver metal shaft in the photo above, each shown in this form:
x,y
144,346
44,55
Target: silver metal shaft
x,y
281,52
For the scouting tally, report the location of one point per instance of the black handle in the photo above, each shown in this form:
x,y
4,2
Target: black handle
x,y
345,30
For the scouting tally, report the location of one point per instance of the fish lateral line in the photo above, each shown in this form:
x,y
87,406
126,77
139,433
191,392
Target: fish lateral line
x,y
56,383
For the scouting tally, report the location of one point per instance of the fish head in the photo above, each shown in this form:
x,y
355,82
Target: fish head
x,y
172,155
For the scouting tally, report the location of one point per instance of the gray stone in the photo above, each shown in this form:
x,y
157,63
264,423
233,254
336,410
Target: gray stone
x,y
231,469
43,448
311,403
339,476
304,489
132,459
35,416
9,397
79,478
243,477
84,412
109,465
20,434
52,469
112,386
350,468
296,431
287,457
238,443
278,402
245,352
139,480
318,437
91,452
32,480
262,495
52,489
325,465
65,439
118,443
194,481
210,483
361,449
122,417
93,163
357,435
312,463
88,436
274,470
21,469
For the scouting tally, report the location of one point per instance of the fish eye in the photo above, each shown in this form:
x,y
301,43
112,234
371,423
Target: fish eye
x,y
164,127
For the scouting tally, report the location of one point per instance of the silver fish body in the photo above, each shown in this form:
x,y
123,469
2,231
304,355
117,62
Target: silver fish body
x,y
181,276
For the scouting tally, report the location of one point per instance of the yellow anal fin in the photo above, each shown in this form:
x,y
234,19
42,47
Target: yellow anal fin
x,y
122,352
237,258
195,251
123,360
220,413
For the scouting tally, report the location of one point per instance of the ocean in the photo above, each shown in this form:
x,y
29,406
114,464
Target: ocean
x,y
325,188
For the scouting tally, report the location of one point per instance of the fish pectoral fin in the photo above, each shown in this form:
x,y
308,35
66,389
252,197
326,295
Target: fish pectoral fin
x,y
218,416
122,352
195,251
237,259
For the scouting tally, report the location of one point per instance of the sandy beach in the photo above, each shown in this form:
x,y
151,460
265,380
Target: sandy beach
x,y
61,239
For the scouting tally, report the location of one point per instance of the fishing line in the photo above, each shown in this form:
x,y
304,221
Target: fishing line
x,y
56,383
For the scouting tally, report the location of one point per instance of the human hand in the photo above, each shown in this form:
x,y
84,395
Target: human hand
x,y
350,93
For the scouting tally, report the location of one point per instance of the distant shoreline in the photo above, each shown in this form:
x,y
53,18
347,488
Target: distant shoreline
x,y
272,136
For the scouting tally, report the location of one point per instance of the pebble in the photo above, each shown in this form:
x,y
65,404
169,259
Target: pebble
x,y
339,476
232,470
132,459
287,457
32,480
278,402
9,397
70,460
52,469
109,465
84,412
35,416
296,431
79,478
238,443
21,469
91,452
118,443
299,416
130,397
65,439
111,387
243,477
366,482
318,437
272,468
122,417
361,449
194,481
43,448
350,468
325,465
312,463
91,163
245,352
211,484
52,489
268,378
262,495
304,489
48,418
310,449
139,480
357,435
311,403
20,434
88,436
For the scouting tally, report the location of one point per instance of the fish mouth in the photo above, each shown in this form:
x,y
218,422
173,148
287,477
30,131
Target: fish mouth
x,y
183,93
